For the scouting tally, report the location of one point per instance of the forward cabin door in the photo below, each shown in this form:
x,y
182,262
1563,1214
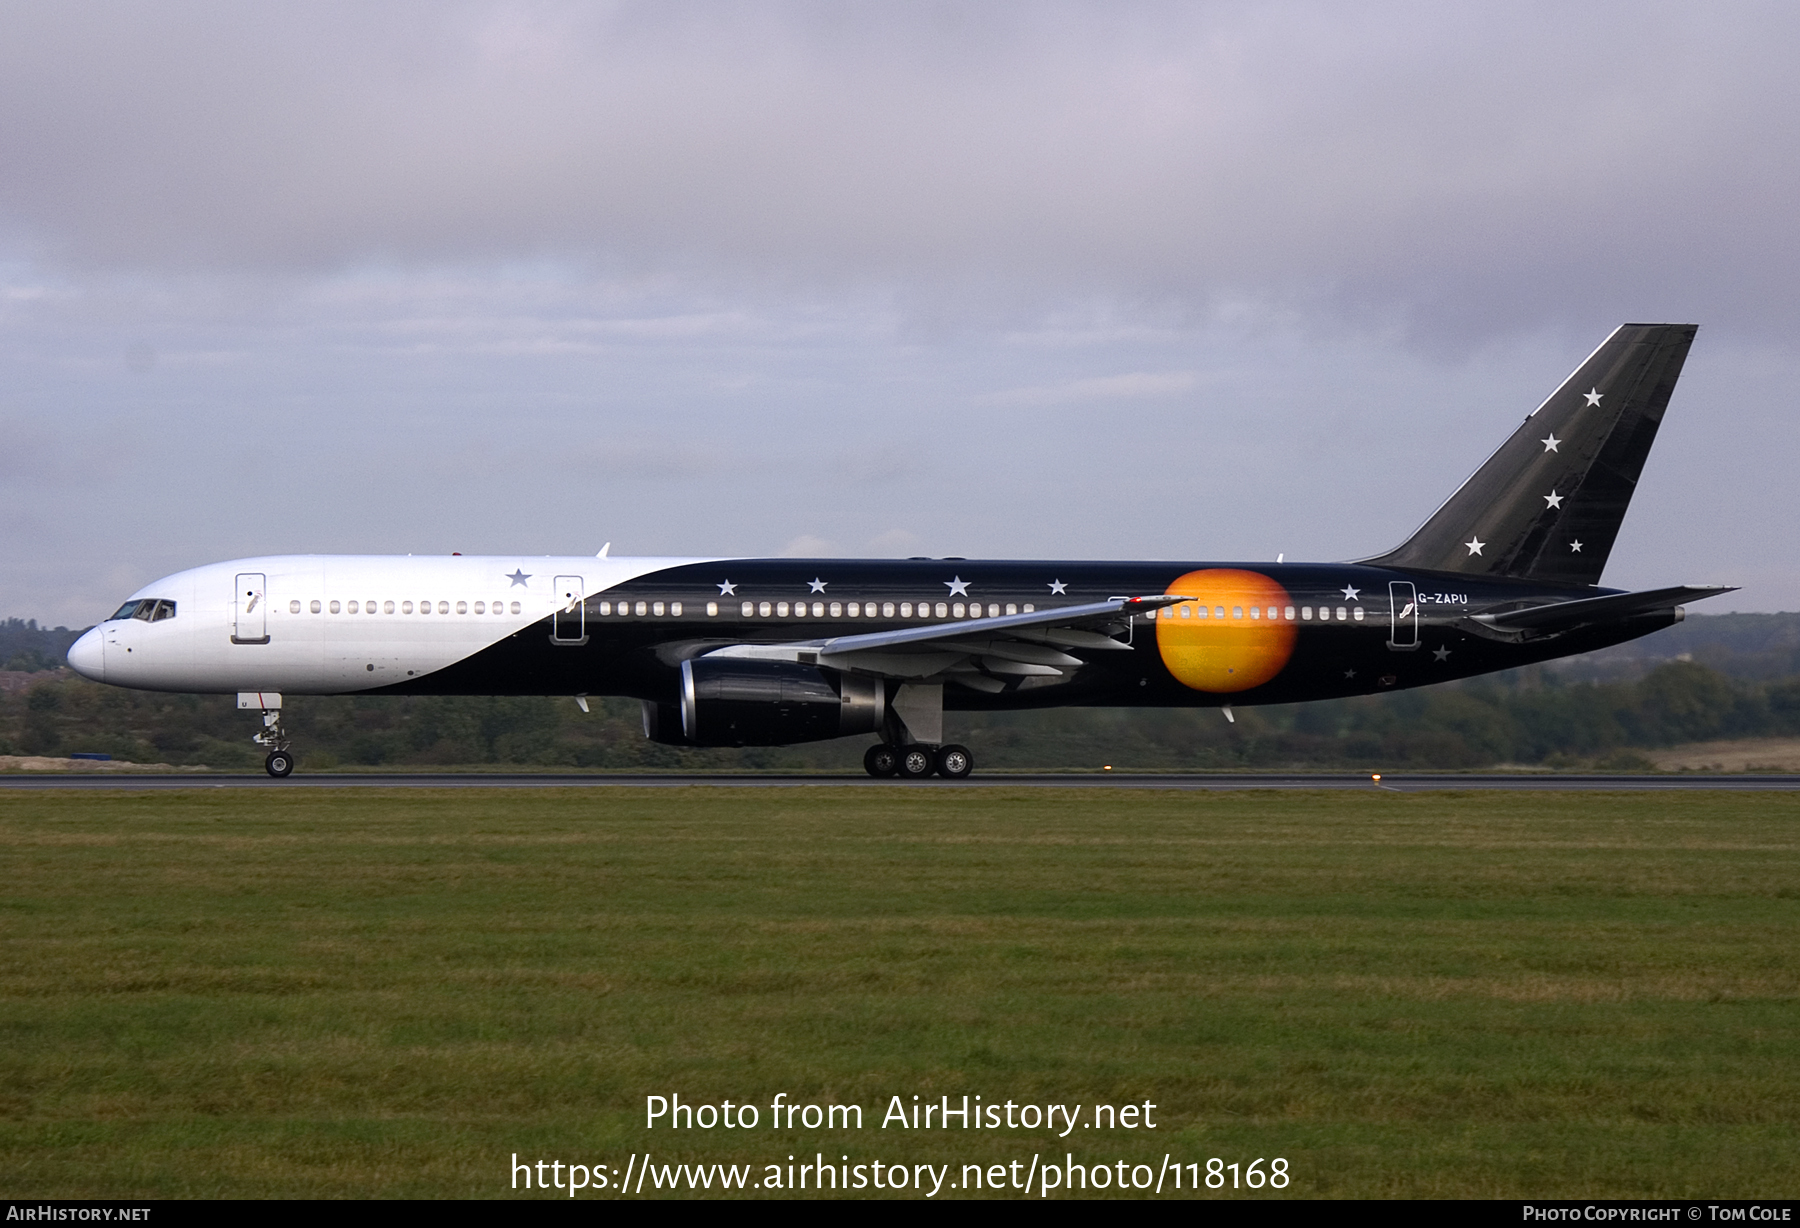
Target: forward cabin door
x,y
568,625
1403,616
251,607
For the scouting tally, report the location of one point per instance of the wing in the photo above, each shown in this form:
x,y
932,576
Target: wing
x,y
983,654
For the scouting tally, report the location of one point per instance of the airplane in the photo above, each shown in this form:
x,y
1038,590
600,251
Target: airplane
x,y
727,651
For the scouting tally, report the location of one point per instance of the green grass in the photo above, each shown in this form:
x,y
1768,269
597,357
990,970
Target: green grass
x,y
369,993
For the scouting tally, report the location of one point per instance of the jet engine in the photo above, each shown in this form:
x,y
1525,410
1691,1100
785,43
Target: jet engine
x,y
732,702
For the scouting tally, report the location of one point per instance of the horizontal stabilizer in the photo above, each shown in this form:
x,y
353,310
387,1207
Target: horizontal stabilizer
x,y
1568,615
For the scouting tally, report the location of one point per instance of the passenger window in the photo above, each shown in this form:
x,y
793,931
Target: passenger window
x,y
480,607
781,609
335,608
443,607
1342,614
293,607
368,607
1237,611
712,609
515,607
887,610
351,608
1029,608
387,607
837,609
406,607
764,610
1255,611
1219,611
1359,614
942,611
1012,607
315,607
906,609
1306,613
462,607
854,609
656,608
1187,612
818,609
957,610
641,608
1288,614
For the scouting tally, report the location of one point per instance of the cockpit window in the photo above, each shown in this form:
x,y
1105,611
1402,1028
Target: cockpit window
x,y
150,610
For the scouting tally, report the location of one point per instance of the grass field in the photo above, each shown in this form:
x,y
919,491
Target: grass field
x,y
368,993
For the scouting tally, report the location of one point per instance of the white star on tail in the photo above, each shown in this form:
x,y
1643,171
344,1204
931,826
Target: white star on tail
x,y
1593,396
1575,547
1553,500
959,587
1550,443
1474,544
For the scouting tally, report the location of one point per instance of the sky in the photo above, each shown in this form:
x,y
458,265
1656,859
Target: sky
x,y
1186,281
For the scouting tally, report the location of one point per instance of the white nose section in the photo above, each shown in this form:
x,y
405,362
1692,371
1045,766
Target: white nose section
x,y
87,656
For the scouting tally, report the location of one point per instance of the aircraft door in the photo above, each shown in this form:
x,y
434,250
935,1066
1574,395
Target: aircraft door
x,y
251,608
568,624
1403,616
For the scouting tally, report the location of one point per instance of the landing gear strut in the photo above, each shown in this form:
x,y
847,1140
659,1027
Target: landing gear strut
x,y
916,762
280,760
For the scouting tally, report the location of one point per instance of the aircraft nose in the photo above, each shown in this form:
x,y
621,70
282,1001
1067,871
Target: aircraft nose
x,y
87,656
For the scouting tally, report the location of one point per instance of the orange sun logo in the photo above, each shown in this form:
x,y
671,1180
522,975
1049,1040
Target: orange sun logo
x,y
1237,633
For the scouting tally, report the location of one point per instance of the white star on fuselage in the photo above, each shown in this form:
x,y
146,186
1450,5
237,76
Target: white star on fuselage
x,y
519,577
959,587
817,586
1474,544
1349,673
1057,586
1440,654
1553,500
1350,594
1593,396
1550,443
1575,547
727,589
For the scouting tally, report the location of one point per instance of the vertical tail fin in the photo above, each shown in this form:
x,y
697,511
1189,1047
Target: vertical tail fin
x,y
1548,505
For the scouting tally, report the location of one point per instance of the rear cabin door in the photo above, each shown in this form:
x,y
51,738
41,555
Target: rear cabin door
x,y
568,625
1403,615
251,607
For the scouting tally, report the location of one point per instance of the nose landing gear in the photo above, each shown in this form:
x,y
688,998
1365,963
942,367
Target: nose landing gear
x,y
280,760
916,762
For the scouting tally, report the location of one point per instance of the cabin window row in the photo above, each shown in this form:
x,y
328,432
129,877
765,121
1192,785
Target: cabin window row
x,y
871,609
404,607
1270,613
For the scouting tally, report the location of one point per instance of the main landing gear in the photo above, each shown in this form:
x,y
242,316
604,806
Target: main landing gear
x,y
917,762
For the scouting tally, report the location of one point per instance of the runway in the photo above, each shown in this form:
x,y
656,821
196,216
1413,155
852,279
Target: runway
x,y
1400,783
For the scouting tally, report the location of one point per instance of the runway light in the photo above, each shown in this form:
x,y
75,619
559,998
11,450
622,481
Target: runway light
x,y
1107,768
1376,778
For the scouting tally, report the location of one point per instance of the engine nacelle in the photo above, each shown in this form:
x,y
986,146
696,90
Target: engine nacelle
x,y
731,702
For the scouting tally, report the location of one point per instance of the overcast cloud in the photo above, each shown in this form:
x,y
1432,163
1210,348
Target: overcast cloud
x,y
1101,280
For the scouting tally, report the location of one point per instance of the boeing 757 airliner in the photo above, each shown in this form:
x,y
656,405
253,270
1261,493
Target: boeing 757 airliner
x,y
768,652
